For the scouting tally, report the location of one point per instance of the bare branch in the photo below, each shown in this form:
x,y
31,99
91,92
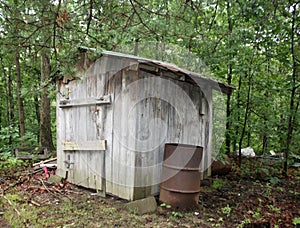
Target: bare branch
x,y
141,20
90,17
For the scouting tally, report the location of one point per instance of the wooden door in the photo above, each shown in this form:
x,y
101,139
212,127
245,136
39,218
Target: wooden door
x,y
82,143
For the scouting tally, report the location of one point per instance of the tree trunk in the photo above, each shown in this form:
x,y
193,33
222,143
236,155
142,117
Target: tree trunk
x,y
11,103
249,130
19,96
45,114
228,124
229,79
37,113
238,104
265,144
245,119
293,106
136,48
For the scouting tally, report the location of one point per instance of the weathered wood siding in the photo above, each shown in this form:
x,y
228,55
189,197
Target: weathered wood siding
x,y
89,123
81,124
146,111
172,112
149,111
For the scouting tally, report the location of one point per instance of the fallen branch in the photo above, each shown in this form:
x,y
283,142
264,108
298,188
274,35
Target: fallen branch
x,y
73,192
13,206
45,186
8,200
35,203
60,192
54,190
36,171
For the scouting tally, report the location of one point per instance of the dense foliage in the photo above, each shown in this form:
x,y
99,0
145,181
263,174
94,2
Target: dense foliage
x,y
253,45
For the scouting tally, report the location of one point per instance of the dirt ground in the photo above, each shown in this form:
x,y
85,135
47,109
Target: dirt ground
x,y
29,200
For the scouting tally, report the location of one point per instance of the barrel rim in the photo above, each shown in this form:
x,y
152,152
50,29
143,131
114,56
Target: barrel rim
x,y
184,145
185,168
180,191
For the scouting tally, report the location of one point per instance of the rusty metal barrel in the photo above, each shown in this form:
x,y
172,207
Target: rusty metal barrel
x,y
180,184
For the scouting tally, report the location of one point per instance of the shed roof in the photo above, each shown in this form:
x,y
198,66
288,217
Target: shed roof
x,y
192,77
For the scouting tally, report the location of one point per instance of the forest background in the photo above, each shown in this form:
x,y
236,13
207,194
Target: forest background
x,y
253,45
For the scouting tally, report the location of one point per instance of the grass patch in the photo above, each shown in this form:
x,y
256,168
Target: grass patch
x,y
218,183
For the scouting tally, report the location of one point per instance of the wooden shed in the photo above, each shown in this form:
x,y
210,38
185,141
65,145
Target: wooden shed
x,y
115,118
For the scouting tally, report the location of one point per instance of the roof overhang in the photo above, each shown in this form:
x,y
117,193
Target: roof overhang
x,y
192,77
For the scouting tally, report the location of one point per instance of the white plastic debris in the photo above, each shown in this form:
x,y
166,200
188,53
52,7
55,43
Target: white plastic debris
x,y
272,152
297,164
246,152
